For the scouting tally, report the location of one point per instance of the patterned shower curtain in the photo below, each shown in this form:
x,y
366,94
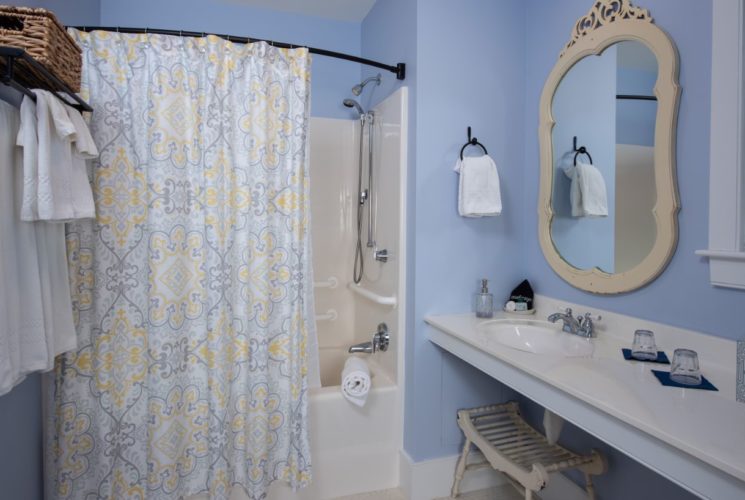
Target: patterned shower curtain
x,y
192,289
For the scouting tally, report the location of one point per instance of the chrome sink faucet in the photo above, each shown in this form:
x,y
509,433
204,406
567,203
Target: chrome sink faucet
x,y
581,325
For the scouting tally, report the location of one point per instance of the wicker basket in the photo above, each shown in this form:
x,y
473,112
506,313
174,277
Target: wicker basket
x,y
41,35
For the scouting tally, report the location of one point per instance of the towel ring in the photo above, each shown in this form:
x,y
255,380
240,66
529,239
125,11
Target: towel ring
x,y
471,142
580,151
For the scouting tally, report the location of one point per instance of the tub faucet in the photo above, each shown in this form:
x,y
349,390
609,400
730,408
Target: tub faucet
x,y
364,347
582,325
380,341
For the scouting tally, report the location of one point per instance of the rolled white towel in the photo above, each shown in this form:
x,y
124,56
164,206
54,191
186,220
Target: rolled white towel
x,y
355,381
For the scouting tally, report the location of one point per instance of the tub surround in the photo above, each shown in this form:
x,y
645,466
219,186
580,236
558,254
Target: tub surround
x,y
694,438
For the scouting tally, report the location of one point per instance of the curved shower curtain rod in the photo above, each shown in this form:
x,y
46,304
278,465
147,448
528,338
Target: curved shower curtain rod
x,y
399,69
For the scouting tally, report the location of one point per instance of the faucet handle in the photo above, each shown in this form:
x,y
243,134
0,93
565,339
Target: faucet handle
x,y
381,339
587,325
590,317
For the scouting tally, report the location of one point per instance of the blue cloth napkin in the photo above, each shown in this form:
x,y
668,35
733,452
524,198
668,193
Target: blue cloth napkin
x,y
661,357
664,378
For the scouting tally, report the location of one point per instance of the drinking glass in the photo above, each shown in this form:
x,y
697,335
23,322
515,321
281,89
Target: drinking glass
x,y
685,369
644,347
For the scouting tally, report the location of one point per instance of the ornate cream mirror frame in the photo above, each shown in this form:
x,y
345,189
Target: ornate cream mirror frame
x,y
608,22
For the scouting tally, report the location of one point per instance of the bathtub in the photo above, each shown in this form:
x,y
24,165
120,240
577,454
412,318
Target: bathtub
x,y
353,449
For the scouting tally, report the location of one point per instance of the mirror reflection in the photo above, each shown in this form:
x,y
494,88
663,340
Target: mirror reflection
x,y
604,195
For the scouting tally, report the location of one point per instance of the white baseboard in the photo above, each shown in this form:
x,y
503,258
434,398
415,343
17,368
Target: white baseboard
x,y
434,478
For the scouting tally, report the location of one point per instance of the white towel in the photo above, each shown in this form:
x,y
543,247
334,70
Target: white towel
x,y
588,195
54,131
23,343
478,190
56,186
50,252
28,140
83,149
355,380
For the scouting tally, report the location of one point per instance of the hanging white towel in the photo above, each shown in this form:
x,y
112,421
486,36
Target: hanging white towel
x,y
355,380
50,253
28,140
478,190
55,132
587,194
23,344
56,186
83,149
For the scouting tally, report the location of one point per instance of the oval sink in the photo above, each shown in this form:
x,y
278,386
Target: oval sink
x,y
535,336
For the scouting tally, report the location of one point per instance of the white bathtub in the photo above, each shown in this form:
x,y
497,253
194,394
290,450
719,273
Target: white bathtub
x,y
353,449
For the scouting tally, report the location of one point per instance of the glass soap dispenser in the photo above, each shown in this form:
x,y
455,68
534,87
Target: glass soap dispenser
x,y
484,301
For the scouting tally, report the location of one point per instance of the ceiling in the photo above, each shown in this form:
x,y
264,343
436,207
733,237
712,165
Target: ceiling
x,y
340,10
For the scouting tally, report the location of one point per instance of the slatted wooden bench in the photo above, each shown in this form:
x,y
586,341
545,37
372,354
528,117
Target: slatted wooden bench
x,y
516,449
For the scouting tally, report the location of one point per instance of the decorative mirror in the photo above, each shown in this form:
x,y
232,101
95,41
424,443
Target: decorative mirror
x,y
608,199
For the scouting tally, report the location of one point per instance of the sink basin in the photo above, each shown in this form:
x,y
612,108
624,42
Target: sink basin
x,y
535,336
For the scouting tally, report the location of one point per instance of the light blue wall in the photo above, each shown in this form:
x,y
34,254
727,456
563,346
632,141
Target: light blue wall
x,y
470,64
74,11
389,32
20,440
701,307
331,79
453,83
584,106
457,78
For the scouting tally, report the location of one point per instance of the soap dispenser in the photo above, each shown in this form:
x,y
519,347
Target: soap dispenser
x,y
484,301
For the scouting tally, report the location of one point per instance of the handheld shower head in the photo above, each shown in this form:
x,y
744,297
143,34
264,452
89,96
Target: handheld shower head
x,y
357,89
351,103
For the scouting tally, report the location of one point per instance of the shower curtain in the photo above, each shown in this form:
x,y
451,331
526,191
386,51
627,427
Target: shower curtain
x,y
192,289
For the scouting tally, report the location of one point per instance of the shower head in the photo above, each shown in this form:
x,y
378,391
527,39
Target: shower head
x,y
357,89
351,103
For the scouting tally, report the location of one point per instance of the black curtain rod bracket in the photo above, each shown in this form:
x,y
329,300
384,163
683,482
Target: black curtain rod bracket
x,y
399,69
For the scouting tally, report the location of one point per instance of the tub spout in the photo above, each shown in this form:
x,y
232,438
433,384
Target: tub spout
x,y
365,347
380,342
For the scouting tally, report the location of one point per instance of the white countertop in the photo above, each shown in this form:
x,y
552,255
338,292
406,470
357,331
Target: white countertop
x,y
708,425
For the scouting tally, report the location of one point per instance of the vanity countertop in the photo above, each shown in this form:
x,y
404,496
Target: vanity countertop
x,y
708,425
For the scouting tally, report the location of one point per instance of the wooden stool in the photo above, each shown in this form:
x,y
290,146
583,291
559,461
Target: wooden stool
x,y
514,448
